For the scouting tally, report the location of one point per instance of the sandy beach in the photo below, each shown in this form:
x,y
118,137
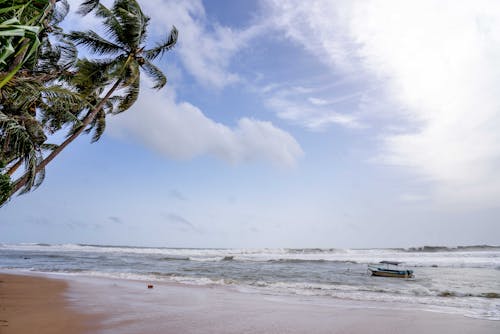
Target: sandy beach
x,y
91,305
38,305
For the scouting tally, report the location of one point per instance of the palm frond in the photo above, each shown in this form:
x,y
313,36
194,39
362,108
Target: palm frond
x,y
69,55
133,21
40,175
87,6
14,139
99,125
59,12
163,47
94,42
61,106
5,188
92,74
19,45
34,179
19,93
16,142
131,95
49,147
155,73
128,72
113,28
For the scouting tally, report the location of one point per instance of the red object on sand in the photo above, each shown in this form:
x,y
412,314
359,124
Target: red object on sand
x,y
150,286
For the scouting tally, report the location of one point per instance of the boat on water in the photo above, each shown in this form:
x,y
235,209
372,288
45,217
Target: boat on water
x,y
390,269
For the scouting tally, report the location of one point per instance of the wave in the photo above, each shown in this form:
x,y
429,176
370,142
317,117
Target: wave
x,y
494,295
174,258
252,251
311,250
333,289
228,258
487,295
478,256
294,260
432,249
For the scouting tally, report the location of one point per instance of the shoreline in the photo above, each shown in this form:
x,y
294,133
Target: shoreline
x,y
95,305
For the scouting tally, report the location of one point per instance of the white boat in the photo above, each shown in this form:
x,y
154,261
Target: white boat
x,y
390,269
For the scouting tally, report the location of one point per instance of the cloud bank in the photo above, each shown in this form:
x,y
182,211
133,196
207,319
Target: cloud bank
x,y
180,130
438,66
205,48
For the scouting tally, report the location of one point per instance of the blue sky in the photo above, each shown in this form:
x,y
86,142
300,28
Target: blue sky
x,y
292,124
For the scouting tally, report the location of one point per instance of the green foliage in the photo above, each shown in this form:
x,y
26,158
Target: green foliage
x,y
33,100
5,188
5,185
21,23
125,56
45,88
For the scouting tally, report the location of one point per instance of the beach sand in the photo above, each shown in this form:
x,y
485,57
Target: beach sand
x,y
32,305
37,305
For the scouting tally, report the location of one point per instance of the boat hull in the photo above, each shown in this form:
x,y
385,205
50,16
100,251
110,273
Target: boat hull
x,y
392,273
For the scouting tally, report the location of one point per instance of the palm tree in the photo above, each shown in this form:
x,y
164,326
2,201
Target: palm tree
x,y
33,55
125,25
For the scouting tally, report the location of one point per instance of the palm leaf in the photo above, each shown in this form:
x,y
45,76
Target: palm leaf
x,y
155,73
163,47
99,124
131,95
128,72
34,179
87,6
40,175
16,143
69,55
61,107
92,74
59,12
94,42
133,21
111,24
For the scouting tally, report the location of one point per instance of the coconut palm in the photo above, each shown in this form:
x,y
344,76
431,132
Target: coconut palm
x,y
122,56
30,86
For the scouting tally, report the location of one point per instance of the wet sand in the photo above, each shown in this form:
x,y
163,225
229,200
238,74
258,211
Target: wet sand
x,y
129,307
38,305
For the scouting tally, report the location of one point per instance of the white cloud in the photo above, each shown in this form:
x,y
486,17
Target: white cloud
x,y
205,49
317,102
295,104
438,64
317,26
180,130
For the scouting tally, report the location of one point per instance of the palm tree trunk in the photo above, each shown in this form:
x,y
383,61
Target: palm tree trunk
x,y
85,122
14,167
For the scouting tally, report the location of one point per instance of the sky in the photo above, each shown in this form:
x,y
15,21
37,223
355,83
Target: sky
x,y
345,124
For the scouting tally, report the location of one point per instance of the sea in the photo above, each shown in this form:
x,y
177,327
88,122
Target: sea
x,y
459,280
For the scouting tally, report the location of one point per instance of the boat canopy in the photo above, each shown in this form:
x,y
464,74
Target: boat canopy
x,y
394,263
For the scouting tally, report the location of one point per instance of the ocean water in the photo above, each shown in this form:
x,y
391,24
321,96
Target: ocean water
x,y
462,280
